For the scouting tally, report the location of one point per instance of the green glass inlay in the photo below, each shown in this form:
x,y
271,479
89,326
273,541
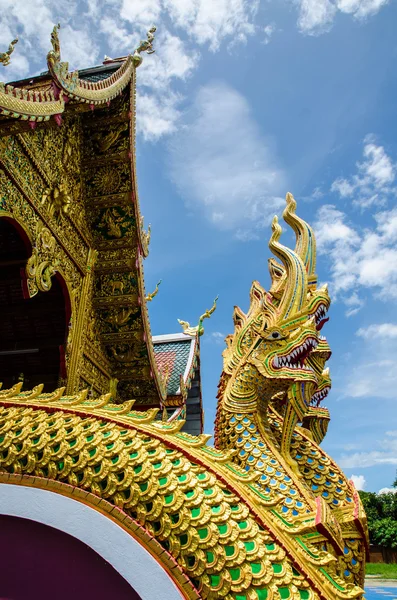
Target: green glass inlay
x,y
92,452
256,568
208,492
110,445
72,443
203,533
61,464
262,594
176,462
183,539
163,480
201,476
234,507
143,486
189,494
133,454
115,459
168,499
138,469
210,557
304,594
249,546
284,592
222,529
195,512
215,509
89,438
175,518
215,579
157,465
277,568
270,547
235,574
56,447
97,468
182,478
229,550
242,525
191,560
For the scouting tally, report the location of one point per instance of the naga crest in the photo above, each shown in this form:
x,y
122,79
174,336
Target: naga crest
x,y
275,358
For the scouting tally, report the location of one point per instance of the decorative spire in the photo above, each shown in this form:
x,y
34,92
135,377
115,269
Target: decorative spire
x,y
295,291
5,56
144,46
305,246
150,297
199,329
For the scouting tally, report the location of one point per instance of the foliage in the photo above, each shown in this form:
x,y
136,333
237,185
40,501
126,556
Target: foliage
x,y
382,570
381,512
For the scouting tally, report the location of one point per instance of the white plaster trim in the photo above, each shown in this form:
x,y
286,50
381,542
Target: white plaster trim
x,y
103,535
172,337
190,360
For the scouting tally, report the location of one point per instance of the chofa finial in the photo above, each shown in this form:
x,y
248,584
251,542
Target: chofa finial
x,y
198,329
145,46
5,56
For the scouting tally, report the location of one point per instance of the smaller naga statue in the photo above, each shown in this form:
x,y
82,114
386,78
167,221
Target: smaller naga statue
x,y
5,56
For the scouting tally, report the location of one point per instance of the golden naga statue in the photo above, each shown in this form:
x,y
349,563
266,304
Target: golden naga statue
x,y
5,56
269,402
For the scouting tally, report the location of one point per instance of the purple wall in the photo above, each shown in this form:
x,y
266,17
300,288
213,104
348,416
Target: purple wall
x,y
38,562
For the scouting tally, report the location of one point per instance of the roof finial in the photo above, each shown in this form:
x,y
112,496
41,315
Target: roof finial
x,y
199,329
150,297
144,46
5,56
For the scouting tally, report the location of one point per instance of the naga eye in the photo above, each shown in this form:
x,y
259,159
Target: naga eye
x,y
274,335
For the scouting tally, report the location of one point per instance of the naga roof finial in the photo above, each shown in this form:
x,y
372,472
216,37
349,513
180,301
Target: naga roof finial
x,y
150,297
5,56
199,329
145,46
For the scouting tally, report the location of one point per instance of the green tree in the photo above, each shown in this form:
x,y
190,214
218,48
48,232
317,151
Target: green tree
x,y
381,512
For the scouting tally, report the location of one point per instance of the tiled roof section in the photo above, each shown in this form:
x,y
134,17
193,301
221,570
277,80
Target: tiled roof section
x,y
98,73
172,358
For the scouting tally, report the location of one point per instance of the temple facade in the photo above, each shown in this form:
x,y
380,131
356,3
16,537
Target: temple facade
x,y
108,486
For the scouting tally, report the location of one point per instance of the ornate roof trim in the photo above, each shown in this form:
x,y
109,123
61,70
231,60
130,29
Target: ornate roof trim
x,y
90,92
29,105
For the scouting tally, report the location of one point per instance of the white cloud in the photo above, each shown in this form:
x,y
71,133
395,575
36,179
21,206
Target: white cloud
x,y
372,184
382,330
387,490
223,166
359,481
359,259
361,460
317,16
217,337
269,30
209,22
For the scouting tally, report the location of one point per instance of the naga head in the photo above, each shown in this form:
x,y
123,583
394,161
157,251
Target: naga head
x,y
277,350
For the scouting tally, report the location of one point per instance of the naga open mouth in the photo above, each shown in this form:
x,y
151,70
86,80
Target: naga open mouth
x,y
319,396
296,358
320,316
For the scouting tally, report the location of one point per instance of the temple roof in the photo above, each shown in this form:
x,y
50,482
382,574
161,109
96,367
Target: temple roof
x,y
178,355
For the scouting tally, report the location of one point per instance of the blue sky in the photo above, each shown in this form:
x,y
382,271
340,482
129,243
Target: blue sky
x,y
242,102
